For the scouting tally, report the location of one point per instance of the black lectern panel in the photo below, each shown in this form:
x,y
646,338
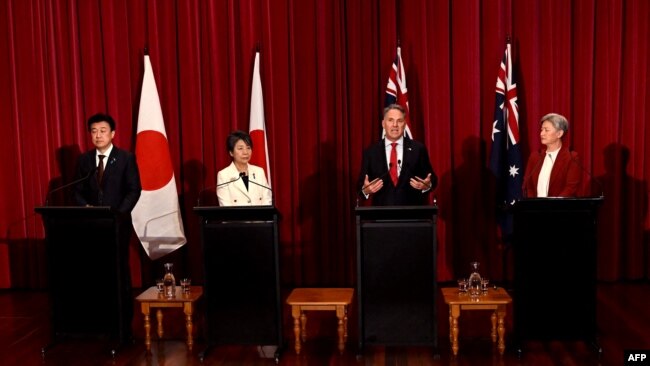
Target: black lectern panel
x,y
242,287
396,275
555,268
88,293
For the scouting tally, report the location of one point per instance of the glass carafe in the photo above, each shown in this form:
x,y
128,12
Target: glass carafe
x,y
474,280
169,282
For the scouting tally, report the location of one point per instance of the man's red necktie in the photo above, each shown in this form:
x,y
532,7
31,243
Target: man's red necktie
x,y
393,163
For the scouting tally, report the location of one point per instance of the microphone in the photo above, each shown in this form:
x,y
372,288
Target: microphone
x,y
542,156
432,184
49,194
591,177
258,184
263,186
404,168
241,174
198,200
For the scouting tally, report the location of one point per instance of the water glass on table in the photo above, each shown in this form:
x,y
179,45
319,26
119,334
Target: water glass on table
x,y
462,285
185,284
160,285
485,284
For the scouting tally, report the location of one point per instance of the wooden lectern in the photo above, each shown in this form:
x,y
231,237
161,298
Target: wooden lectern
x,y
396,275
554,251
242,276
87,274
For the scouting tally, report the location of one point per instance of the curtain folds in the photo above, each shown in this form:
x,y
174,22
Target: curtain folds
x,y
324,67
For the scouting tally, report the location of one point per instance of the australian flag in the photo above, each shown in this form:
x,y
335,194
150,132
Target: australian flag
x,y
505,157
396,91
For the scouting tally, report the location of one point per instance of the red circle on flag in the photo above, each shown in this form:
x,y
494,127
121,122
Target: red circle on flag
x,y
154,161
259,156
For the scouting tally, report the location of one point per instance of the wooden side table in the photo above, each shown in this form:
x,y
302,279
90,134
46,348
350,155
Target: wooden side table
x,y
496,300
332,299
151,298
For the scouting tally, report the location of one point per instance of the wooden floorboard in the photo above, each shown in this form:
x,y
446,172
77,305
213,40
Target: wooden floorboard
x,y
623,323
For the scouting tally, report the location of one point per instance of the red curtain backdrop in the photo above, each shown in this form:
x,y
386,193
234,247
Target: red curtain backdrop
x,y
324,65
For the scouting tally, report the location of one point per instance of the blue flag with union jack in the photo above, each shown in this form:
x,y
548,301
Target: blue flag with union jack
x,y
396,91
505,158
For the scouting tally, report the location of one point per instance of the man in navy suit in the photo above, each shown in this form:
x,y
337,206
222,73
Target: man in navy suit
x,y
397,170
112,179
120,185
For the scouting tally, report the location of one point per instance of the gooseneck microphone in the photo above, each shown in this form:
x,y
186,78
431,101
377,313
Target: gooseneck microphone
x,y
76,181
577,162
258,184
263,186
232,180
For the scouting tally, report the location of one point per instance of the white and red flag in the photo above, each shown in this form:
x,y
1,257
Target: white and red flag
x,y
396,91
156,216
257,127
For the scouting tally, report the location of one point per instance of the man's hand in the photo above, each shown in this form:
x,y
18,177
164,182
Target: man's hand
x,y
371,187
421,184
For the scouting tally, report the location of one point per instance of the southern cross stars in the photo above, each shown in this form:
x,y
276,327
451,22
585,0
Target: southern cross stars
x,y
494,129
513,171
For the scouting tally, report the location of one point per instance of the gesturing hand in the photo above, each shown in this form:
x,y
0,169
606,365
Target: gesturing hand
x,y
421,184
372,187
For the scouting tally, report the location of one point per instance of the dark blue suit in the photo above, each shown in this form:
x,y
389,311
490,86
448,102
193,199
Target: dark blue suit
x,y
120,186
415,163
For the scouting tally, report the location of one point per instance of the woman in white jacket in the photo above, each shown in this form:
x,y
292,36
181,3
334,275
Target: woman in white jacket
x,y
241,183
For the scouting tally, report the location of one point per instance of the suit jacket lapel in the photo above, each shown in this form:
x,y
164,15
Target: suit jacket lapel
x,y
109,163
239,184
407,153
561,162
381,154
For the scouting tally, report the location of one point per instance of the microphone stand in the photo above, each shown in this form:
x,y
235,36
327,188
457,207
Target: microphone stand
x,y
198,199
76,181
263,186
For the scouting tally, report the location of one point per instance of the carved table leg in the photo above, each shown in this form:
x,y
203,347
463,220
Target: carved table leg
x,y
159,316
295,313
345,324
147,326
502,329
455,313
303,326
494,326
188,325
340,314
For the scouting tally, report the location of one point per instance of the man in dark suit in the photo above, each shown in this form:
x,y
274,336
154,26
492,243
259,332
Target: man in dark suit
x,y
112,179
397,170
120,185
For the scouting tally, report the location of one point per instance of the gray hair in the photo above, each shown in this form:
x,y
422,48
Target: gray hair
x,y
557,120
394,106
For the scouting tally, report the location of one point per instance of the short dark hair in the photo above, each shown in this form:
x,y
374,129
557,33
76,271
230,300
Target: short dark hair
x,y
101,117
235,136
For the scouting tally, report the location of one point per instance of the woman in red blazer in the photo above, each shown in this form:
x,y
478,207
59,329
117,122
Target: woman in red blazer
x,y
555,170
